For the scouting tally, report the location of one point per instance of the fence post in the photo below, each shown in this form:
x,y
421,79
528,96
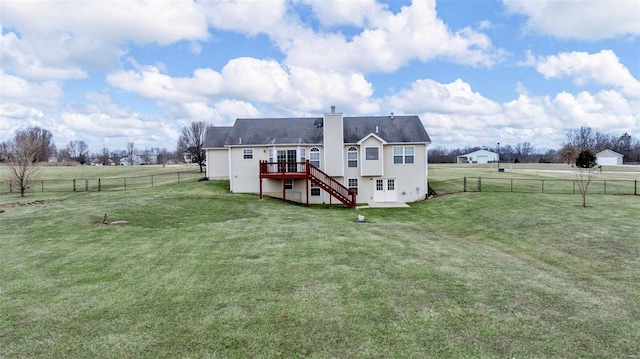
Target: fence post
x,y
465,184
152,181
542,186
42,184
125,183
574,186
86,185
178,177
99,184
10,187
74,185
479,185
605,186
512,185
635,187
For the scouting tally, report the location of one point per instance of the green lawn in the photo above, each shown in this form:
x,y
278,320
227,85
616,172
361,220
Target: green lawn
x,y
198,272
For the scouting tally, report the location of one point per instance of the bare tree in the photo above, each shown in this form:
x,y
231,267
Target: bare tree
x,y
568,153
130,152
43,140
103,157
191,141
4,151
22,163
585,172
524,150
78,151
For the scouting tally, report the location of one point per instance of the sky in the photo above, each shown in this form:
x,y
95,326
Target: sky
x,y
477,72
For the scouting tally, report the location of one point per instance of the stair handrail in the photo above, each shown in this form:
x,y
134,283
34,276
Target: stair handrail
x,y
335,188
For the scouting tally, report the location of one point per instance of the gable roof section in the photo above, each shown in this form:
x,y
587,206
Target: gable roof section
x,y
608,153
374,136
478,152
216,136
288,131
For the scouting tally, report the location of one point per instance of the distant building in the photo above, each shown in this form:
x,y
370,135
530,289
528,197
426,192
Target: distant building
x,y
143,157
480,156
609,158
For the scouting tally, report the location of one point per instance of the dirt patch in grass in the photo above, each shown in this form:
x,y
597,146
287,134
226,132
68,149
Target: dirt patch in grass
x,y
21,204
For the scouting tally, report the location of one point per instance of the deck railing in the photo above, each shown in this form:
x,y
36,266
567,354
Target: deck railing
x,y
312,173
282,167
335,188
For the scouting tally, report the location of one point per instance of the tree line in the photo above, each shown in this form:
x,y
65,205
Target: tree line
x,y
43,149
34,145
577,140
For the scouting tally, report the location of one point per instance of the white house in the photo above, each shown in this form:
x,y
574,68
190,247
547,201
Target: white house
x,y
480,156
142,157
321,159
609,158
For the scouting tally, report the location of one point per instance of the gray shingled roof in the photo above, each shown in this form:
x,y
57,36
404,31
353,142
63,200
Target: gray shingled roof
x,y
268,131
396,129
216,136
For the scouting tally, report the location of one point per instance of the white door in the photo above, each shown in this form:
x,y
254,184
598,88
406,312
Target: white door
x,y
385,190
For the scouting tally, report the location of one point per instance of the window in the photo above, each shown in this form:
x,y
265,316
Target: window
x,y
391,184
288,184
371,153
353,184
315,190
314,157
404,154
247,153
352,157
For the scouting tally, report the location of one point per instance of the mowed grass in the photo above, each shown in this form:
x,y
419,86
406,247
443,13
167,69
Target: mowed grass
x,y
199,272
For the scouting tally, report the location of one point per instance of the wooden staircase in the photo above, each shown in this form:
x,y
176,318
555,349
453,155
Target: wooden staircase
x,y
311,173
331,186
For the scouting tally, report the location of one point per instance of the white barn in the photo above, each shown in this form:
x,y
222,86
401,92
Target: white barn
x,y
480,156
609,158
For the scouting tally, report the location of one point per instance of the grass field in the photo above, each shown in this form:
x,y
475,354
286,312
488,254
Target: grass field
x,y
103,178
189,270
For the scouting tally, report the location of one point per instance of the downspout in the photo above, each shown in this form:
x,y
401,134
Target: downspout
x,y
230,170
206,158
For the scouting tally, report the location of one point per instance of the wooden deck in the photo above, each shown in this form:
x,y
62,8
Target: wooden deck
x,y
304,170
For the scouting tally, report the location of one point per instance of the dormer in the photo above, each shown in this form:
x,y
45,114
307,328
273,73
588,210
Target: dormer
x,y
372,155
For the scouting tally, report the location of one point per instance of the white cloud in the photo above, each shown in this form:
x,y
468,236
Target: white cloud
x,y
603,68
36,58
249,17
388,42
454,115
316,90
19,90
339,12
430,96
245,79
103,128
150,83
259,80
51,40
159,21
222,113
579,19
